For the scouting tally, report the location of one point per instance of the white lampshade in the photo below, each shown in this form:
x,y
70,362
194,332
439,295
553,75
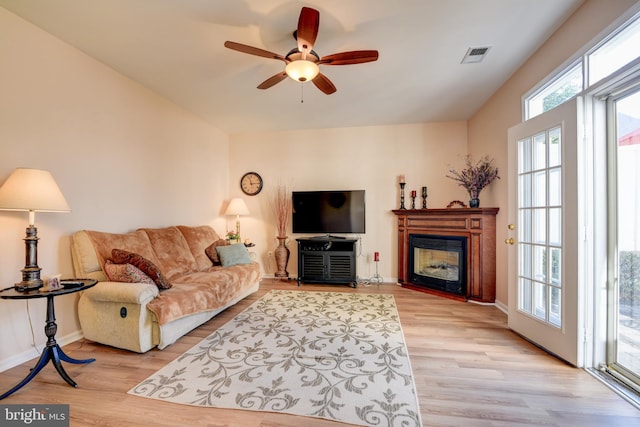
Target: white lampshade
x,y
302,70
237,207
32,190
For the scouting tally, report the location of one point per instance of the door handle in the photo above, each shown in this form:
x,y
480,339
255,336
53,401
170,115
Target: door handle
x,y
509,241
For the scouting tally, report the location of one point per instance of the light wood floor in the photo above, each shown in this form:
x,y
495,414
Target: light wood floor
x,y
470,370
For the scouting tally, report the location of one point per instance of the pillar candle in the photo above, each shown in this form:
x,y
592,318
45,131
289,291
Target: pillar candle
x,y
402,179
376,256
424,191
413,193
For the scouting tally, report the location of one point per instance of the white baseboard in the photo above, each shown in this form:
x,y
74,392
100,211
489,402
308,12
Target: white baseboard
x,y
25,356
502,307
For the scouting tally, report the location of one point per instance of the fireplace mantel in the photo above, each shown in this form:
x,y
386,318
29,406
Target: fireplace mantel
x,y
478,225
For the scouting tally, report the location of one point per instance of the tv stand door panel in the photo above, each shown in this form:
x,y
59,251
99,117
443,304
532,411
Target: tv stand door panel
x,y
327,261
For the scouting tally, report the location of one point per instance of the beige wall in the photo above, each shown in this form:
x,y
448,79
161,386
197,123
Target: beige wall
x,y
366,158
123,157
488,127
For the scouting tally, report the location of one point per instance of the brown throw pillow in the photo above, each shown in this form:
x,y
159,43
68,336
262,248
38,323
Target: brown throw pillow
x,y
118,256
212,253
126,273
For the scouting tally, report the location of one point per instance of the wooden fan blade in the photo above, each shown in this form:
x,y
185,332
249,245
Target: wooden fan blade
x,y
271,81
353,57
324,84
307,32
253,51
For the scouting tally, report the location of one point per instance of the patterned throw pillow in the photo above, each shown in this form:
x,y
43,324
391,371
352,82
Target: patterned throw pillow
x,y
233,254
212,253
126,273
118,256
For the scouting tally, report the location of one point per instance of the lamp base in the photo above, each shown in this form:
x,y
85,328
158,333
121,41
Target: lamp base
x,y
31,272
28,286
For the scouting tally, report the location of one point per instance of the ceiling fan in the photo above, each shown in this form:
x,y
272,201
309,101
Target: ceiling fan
x,y
302,62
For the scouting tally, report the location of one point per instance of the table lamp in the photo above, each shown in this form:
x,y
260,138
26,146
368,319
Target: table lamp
x,y
237,207
31,190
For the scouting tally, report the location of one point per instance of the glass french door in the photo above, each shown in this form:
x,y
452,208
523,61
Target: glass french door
x,y
624,306
543,231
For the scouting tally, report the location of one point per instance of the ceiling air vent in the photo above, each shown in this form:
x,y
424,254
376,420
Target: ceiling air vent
x,y
475,54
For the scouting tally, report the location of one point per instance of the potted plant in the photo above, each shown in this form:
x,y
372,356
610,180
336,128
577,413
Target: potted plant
x,y
475,177
281,203
233,237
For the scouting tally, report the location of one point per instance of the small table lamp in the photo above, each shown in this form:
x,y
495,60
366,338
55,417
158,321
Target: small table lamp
x,y
31,190
237,207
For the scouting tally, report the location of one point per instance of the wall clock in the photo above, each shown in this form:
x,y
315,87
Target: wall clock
x,y
251,183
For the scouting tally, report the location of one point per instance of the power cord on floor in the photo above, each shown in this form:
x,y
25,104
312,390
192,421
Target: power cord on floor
x,y
370,281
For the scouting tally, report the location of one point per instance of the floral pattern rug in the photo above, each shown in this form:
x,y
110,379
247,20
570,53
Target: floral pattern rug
x,y
333,355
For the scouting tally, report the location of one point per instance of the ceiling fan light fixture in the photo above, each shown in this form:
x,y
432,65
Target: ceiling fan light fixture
x,y
302,70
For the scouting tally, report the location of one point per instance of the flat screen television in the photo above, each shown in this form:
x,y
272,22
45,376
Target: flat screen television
x,y
327,212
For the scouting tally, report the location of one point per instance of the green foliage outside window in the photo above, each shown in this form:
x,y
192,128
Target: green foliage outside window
x,y
629,279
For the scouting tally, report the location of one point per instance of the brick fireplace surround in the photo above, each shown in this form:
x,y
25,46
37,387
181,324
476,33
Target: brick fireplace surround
x,y
477,225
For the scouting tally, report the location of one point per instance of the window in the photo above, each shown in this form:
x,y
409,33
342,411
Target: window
x,y
621,48
615,53
561,89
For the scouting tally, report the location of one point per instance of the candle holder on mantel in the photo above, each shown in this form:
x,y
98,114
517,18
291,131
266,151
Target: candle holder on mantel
x,y
402,184
424,197
413,199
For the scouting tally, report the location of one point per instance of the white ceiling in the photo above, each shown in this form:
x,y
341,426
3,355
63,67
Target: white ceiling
x,y
175,48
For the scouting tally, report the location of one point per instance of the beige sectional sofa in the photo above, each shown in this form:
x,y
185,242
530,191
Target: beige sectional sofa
x,y
140,316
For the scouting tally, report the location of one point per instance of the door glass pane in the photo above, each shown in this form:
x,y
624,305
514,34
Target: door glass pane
x,y
540,226
539,263
524,230
555,307
555,187
524,190
524,155
540,188
555,149
524,295
540,300
540,151
628,236
556,267
555,225
525,260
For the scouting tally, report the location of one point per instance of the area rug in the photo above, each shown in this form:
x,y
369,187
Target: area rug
x,y
332,355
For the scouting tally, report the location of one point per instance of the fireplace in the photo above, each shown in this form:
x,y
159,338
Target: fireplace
x,y
448,252
438,262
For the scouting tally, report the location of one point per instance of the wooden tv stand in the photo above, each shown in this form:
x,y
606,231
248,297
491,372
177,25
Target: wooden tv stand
x,y
327,260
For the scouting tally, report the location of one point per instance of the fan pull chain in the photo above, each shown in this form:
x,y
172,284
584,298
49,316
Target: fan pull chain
x,y
301,93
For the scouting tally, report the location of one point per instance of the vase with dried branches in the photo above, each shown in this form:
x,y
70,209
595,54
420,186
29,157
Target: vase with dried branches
x,y
475,177
281,201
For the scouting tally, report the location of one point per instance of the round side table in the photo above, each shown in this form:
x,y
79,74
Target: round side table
x,y
52,352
